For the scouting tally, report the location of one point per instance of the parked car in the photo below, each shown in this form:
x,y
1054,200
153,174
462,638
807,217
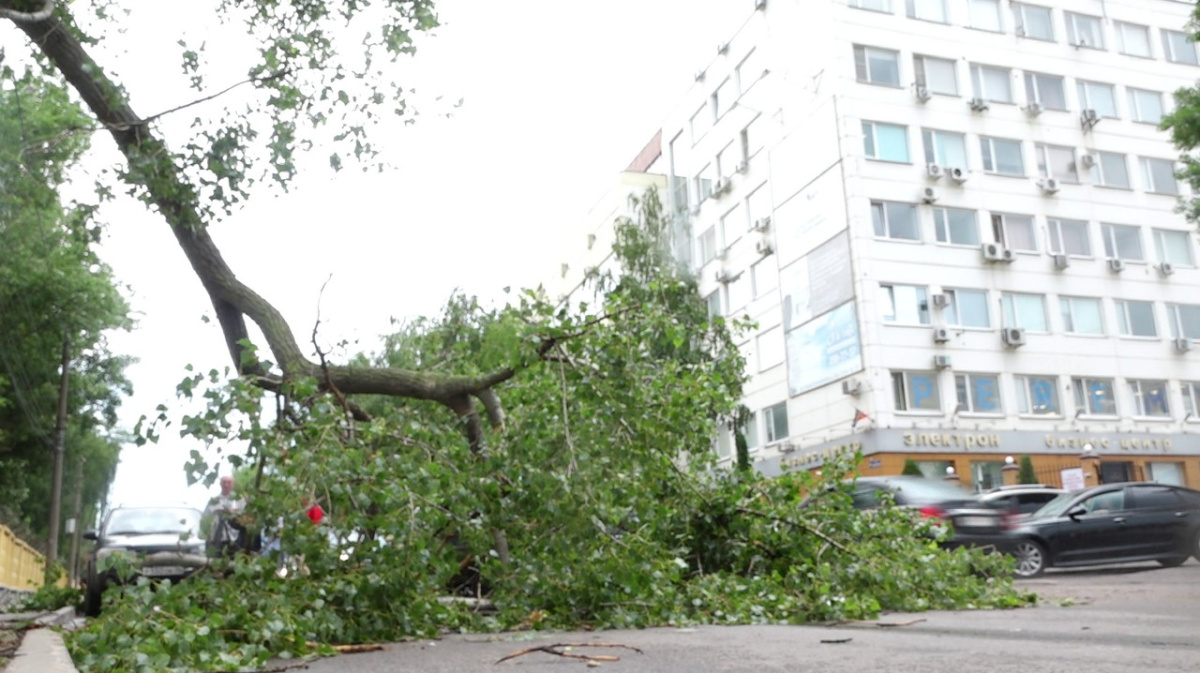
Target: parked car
x,y
155,542
1112,523
975,522
1021,499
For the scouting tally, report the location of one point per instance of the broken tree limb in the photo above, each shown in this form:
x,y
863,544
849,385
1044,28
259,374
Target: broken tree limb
x,y
559,649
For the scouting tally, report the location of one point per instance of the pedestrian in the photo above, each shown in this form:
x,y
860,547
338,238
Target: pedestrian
x,y
225,512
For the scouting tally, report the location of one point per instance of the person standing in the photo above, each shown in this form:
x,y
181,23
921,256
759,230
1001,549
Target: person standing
x,y
227,534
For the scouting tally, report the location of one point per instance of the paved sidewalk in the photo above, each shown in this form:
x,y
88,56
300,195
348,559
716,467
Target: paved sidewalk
x,y
42,649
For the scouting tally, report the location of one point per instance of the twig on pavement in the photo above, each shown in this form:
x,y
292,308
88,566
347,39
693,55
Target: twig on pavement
x,y
554,649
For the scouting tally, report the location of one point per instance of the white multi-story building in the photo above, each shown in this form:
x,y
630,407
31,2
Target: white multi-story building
x,y
954,221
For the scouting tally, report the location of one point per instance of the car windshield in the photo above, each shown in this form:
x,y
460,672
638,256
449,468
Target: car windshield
x,y
147,521
1055,507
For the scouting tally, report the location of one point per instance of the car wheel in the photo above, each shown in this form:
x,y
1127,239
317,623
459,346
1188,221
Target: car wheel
x,y
92,597
1173,561
1031,558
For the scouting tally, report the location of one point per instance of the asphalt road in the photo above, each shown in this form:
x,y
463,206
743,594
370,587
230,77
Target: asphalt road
x,y
1116,619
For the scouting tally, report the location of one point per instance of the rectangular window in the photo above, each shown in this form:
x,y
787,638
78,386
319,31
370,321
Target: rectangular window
x,y
715,309
1027,311
1094,396
1178,47
749,430
1015,232
916,391
967,308
1185,321
1081,315
1149,398
904,304
1145,106
1037,395
1099,97
724,97
877,66
927,10
946,149
776,419
1069,237
1056,161
1191,396
1122,241
991,83
701,122
1084,30
956,226
885,142
1158,175
985,15
1110,170
750,70
939,75
708,250
766,277
1033,21
873,5
1002,156
703,183
1133,39
770,347
978,393
1174,247
895,220
751,138
1135,318
1048,90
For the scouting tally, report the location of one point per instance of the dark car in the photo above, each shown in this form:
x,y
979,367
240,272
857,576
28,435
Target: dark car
x,y
155,542
975,523
1022,499
1113,523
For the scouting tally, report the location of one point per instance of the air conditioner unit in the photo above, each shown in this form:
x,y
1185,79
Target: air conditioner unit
x,y
1087,160
851,387
1166,268
1061,261
979,104
1048,185
1116,265
1034,109
1008,256
929,195
992,252
939,300
923,94
942,361
1183,345
934,171
742,167
1013,336
1088,118
699,76
787,447
764,248
719,187
723,48
940,335
762,223
725,277
958,174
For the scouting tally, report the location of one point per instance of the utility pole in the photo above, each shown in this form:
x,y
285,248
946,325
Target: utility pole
x,y
60,440
77,505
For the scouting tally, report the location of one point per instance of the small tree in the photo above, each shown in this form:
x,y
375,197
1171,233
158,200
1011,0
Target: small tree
x,y
1026,475
911,469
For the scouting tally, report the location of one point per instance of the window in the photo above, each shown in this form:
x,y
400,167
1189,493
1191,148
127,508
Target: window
x,y
936,74
1110,170
1002,156
1133,39
1174,247
724,443
985,15
776,420
967,308
895,220
1014,232
1191,396
724,97
1094,396
1033,21
1149,399
1081,315
739,292
885,142
766,277
1158,175
956,226
1122,241
708,245
704,183
1185,321
1069,237
770,347
750,70
945,149
1037,395
1178,47
927,10
1105,503
749,430
916,391
758,204
1135,318
1098,97
714,305
1145,106
904,304
877,66
978,393
734,221
1084,30
994,84
873,5
700,123
1027,311
1047,90
1056,162
752,138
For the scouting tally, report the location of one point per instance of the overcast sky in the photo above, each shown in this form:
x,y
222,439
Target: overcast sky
x,y
557,98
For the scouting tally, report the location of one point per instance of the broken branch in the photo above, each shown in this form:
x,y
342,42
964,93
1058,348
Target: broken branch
x,y
559,649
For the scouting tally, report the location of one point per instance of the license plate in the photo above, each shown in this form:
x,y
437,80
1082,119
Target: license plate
x,y
975,522
163,571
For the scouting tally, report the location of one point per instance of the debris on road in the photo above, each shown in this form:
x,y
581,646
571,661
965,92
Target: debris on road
x,y
562,650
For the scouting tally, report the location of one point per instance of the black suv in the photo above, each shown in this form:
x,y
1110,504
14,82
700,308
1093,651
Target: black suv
x,y
154,542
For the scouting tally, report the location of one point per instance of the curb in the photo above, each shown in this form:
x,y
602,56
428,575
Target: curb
x,y
41,651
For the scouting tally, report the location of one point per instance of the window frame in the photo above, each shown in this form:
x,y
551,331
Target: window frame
x,y
1066,306
1149,183
883,207
970,387
901,381
987,149
1042,154
1035,84
1026,395
921,75
1137,392
1013,317
771,415
886,9
1083,89
1122,44
1112,249
943,223
1071,20
1125,322
1177,324
911,11
866,51
920,296
1057,242
871,140
934,140
1001,230
979,83
1170,47
1100,176
1080,384
953,312
1020,21
1191,400
971,15
1136,113
1160,247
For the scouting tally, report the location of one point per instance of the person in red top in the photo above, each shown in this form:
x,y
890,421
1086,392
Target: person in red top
x,y
314,512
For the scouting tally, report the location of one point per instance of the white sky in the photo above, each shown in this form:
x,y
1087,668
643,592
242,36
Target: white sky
x,y
559,97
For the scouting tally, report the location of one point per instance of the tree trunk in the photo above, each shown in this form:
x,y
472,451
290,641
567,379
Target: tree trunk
x,y
60,440
76,506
